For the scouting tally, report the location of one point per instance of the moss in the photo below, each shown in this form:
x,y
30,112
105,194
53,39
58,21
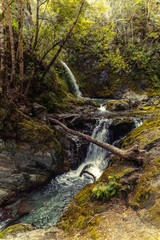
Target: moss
x,y
80,212
144,134
93,232
35,130
14,229
118,171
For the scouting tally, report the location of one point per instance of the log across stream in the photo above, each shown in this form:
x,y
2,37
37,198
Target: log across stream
x,y
48,202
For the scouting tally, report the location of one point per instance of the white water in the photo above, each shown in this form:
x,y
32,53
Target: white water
x,y
102,108
51,201
73,80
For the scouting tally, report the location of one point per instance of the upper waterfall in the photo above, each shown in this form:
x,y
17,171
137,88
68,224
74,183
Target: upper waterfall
x,y
73,81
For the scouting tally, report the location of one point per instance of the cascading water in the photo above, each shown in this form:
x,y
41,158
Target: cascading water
x,y
51,201
73,82
102,108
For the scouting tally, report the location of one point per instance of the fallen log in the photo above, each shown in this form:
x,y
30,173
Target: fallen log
x,y
133,153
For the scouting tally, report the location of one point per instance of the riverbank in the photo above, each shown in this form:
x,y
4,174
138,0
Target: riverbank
x,y
117,223
141,197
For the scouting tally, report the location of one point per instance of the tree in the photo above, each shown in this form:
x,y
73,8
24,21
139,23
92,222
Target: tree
x,y
64,40
20,43
13,59
133,153
2,47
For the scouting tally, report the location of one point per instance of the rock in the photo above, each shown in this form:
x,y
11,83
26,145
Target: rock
x,y
120,127
13,230
146,194
132,95
28,232
24,208
40,111
28,158
118,105
4,195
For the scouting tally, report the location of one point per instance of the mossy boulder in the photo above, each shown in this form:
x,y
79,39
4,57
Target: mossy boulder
x,y
147,192
14,229
79,214
140,184
118,105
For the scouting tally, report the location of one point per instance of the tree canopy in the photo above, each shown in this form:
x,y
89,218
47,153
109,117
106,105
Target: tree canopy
x,y
122,34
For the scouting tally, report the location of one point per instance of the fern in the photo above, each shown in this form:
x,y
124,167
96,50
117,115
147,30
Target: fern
x,y
104,191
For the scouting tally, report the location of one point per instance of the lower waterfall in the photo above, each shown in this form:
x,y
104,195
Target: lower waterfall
x,y
48,202
51,200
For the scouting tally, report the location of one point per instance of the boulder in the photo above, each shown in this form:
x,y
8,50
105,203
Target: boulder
x,y
118,105
27,158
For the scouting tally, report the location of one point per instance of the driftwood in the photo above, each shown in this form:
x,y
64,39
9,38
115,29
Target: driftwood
x,y
85,171
133,153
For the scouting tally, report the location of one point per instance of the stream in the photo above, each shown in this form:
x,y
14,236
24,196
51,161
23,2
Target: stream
x,y
50,201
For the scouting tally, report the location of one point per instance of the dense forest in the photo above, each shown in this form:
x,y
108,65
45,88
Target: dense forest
x,y
120,37
80,119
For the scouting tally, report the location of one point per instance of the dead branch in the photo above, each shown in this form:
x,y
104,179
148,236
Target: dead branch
x,y
133,153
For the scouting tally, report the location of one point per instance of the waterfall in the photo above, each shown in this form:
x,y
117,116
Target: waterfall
x,y
95,154
73,82
51,200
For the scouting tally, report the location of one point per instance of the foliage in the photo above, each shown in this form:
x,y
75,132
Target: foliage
x,y
121,37
105,192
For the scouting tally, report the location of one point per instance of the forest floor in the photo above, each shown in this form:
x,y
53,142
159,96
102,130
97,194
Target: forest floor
x,y
118,223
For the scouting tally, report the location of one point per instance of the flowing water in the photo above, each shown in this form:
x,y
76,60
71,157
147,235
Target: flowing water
x,y
51,200
102,108
73,82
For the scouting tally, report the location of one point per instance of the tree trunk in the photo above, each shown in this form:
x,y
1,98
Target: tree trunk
x,y
20,43
29,83
131,154
13,72
64,41
2,47
37,26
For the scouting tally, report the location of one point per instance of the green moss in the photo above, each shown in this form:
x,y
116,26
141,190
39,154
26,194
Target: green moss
x,y
14,229
80,212
144,134
35,130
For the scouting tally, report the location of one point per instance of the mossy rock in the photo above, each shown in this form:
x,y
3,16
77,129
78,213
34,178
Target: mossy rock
x,y
80,212
147,192
118,105
32,130
14,229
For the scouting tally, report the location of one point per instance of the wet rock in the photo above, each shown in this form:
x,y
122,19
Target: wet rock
x,y
27,158
118,105
120,127
24,208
